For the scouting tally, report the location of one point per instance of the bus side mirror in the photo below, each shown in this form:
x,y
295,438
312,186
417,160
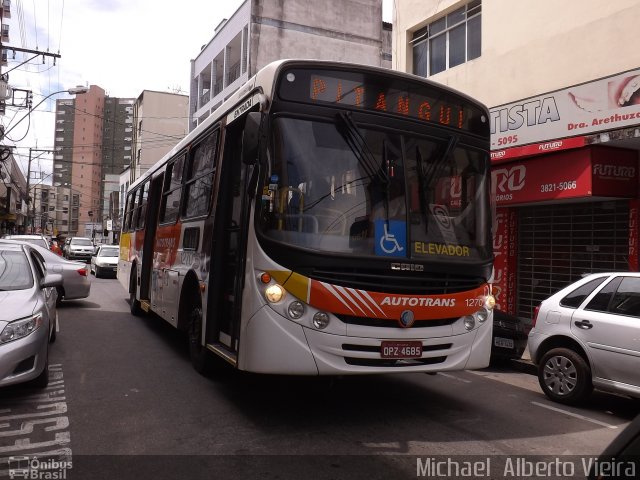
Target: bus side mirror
x,y
251,138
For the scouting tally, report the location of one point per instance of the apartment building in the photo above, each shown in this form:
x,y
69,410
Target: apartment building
x,y
93,138
54,210
562,81
160,121
262,31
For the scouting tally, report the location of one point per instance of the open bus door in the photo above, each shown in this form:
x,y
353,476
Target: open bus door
x,y
153,203
229,247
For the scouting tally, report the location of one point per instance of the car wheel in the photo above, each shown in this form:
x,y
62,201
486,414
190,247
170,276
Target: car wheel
x,y
42,380
97,271
54,334
564,376
60,296
134,305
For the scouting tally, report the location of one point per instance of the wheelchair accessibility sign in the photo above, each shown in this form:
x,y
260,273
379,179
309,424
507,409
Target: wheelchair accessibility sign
x,y
391,238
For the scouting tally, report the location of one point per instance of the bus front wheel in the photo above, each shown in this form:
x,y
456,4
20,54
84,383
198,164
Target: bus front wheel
x,y
200,357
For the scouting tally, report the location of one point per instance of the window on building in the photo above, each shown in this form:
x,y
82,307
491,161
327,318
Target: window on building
x,y
448,41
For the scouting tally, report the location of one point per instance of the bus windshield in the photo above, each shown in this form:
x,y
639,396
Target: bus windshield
x,y
336,187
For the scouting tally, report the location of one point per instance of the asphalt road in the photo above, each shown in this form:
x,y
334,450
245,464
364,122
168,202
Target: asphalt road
x,y
124,402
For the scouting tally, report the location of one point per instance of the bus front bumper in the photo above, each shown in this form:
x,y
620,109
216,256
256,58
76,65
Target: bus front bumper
x,y
274,344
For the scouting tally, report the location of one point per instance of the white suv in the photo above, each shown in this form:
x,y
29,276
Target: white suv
x,y
587,335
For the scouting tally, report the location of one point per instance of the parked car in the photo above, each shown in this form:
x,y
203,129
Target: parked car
x,y
75,275
105,260
79,248
586,336
28,315
34,239
509,336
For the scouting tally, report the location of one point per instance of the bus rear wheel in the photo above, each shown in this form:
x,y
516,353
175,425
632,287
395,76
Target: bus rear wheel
x,y
134,304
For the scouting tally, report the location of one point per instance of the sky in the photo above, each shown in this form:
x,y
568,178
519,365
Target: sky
x,y
123,46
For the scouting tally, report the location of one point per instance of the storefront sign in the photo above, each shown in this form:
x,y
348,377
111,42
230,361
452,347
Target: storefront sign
x,y
594,171
606,104
504,251
509,154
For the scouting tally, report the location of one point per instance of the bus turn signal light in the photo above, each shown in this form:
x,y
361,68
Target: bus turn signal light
x,y
265,278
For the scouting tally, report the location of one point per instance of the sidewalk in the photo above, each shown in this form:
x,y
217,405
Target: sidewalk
x,y
525,364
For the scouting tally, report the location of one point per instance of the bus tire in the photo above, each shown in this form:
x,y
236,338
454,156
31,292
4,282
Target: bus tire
x,y
134,304
199,355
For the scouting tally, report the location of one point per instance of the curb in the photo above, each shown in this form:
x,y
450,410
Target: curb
x,y
525,366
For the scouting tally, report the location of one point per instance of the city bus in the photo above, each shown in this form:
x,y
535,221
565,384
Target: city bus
x,y
326,219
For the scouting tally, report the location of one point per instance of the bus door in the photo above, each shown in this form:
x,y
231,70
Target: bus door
x,y
228,254
153,203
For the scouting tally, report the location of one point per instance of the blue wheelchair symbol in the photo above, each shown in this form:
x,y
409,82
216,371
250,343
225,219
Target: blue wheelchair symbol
x,y
391,238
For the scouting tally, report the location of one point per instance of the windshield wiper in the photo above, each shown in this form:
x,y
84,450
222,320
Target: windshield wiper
x,y
358,145
428,176
434,170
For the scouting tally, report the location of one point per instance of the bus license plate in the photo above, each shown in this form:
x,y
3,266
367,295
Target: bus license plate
x,y
401,349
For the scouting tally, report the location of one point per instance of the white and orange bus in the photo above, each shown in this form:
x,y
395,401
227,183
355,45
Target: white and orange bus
x,y
327,218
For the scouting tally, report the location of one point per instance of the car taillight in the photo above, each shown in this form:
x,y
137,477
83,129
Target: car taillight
x,y
83,271
535,316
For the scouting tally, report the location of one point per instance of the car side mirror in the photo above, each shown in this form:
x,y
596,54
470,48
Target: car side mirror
x,y
51,280
251,137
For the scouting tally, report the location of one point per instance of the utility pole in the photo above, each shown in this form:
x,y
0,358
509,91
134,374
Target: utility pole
x,y
29,199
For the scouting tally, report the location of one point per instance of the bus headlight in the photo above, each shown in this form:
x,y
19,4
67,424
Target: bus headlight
x,y
295,310
469,322
320,320
482,315
274,293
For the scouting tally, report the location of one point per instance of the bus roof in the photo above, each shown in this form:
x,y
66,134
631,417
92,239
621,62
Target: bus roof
x,y
263,81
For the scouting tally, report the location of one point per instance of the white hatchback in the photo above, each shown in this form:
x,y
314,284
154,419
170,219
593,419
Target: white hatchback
x,y
588,335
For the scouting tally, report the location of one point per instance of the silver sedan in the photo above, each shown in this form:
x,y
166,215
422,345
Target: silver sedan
x,y
28,315
75,274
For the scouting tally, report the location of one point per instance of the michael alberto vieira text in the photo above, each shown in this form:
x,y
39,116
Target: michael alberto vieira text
x,y
526,468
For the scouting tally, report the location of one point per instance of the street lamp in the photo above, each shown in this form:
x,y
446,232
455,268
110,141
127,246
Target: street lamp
x,y
78,89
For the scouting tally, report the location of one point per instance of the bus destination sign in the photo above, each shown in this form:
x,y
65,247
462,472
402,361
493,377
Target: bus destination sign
x,y
367,91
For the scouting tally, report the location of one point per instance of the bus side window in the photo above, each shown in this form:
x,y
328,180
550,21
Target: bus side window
x,y
172,191
135,209
131,203
199,181
144,193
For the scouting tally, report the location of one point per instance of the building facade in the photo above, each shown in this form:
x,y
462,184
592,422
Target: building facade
x,y
13,188
564,92
262,31
54,210
93,138
160,121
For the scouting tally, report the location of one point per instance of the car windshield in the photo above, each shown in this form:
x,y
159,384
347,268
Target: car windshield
x,y
341,188
15,272
82,242
109,252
